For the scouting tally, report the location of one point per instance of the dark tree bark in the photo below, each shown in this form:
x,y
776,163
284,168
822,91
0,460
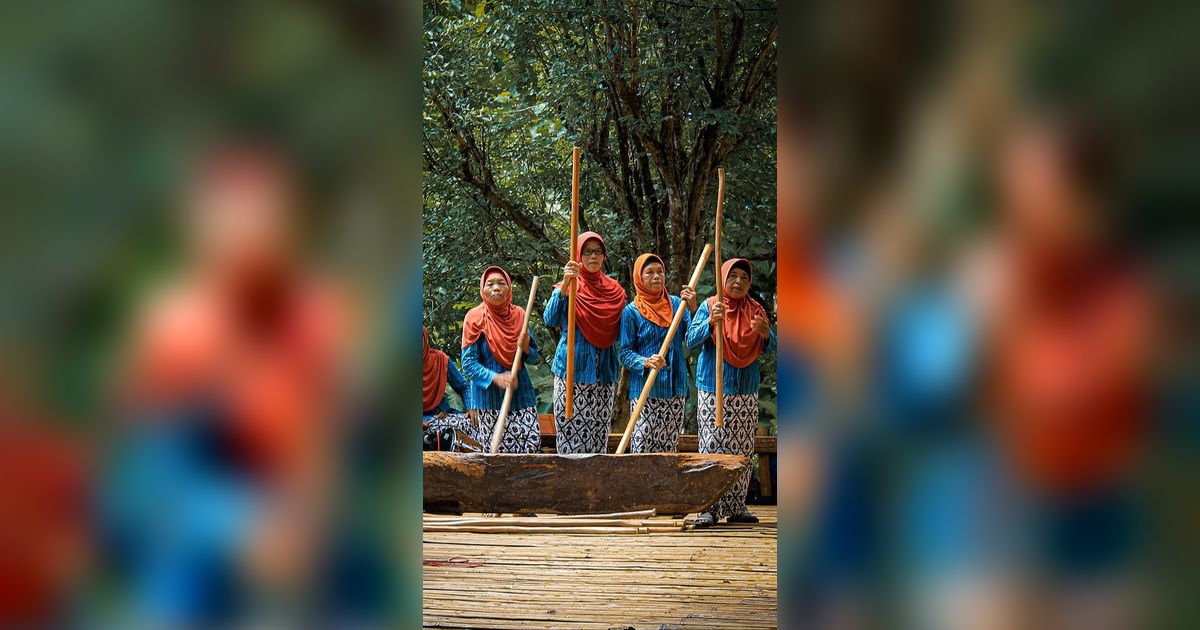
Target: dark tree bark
x,y
638,142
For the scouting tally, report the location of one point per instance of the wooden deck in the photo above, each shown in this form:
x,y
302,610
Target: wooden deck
x,y
721,577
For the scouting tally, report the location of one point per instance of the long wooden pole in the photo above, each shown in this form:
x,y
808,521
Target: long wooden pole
x,y
569,398
612,515
541,521
498,432
666,346
720,336
516,529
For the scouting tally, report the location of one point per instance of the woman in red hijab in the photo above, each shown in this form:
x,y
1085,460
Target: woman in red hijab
x,y
599,301
746,334
644,324
489,345
438,371
1073,326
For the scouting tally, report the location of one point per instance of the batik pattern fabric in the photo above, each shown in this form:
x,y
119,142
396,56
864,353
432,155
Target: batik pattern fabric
x,y
521,431
459,422
587,430
657,431
735,438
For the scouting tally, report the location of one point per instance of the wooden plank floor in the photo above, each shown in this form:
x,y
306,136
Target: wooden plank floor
x,y
721,577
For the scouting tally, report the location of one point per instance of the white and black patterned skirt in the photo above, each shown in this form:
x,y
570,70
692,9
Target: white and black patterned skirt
x,y
735,438
458,422
587,430
657,431
521,431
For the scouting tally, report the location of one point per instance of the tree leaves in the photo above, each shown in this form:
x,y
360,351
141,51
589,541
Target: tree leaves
x,y
654,95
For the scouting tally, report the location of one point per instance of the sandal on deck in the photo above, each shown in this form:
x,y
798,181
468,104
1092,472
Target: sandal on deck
x,y
744,517
704,519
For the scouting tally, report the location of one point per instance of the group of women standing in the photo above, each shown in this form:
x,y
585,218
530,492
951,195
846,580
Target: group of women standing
x,y
610,333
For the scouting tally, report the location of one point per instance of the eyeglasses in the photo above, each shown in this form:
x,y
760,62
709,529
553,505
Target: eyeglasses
x,y
588,253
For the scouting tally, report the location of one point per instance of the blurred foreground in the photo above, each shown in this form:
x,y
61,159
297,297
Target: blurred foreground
x,y
210,214
987,299
988,250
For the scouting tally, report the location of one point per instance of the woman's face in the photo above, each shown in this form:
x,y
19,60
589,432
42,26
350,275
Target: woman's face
x,y
241,222
1037,196
495,289
593,255
653,277
737,284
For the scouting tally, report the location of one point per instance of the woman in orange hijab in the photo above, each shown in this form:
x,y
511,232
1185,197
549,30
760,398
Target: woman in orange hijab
x,y
598,305
438,371
489,345
746,334
644,325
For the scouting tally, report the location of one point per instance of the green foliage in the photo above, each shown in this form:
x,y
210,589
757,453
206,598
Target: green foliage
x,y
107,106
657,94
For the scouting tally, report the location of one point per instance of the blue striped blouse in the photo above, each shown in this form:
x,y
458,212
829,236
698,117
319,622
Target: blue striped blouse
x,y
592,365
480,366
640,339
737,380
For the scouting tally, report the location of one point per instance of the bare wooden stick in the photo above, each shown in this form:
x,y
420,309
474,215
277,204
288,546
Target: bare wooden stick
x,y
498,433
635,514
536,530
557,522
569,397
666,346
720,336
626,515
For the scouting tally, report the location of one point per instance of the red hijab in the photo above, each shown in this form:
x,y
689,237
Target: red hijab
x,y
655,307
433,373
600,300
742,344
500,325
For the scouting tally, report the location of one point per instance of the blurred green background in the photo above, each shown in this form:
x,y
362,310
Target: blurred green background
x,y
104,106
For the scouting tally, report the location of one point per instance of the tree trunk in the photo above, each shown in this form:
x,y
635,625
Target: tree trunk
x,y
621,403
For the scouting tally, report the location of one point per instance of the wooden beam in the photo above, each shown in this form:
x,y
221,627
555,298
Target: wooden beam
x,y
671,483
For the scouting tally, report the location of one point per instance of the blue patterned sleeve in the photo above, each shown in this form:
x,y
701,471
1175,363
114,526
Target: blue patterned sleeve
x,y
555,309
700,329
473,369
629,326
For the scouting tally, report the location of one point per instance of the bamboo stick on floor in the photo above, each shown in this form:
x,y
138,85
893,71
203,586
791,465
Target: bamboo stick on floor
x,y
505,522
635,514
536,530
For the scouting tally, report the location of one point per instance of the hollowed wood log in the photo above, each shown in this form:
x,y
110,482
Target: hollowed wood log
x,y
671,483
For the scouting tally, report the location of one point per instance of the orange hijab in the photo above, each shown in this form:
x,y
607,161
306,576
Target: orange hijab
x,y
500,325
601,299
742,344
434,364
655,307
